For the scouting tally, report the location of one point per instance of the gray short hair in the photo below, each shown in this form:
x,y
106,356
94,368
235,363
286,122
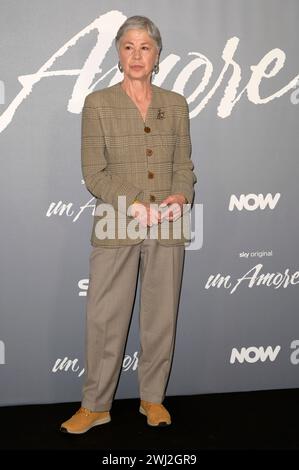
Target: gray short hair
x,y
140,22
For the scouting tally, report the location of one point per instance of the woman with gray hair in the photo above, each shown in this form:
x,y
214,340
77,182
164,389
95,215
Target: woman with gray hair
x,y
135,148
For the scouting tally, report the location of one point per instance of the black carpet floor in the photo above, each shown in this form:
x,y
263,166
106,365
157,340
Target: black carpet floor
x,y
247,421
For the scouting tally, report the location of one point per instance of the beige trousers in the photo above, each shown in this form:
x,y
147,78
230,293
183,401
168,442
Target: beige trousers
x,y
110,297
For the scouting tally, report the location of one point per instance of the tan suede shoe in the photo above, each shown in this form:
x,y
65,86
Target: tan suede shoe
x,y
156,413
83,420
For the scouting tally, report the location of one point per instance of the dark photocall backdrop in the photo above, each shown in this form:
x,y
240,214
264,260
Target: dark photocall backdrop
x,y
237,64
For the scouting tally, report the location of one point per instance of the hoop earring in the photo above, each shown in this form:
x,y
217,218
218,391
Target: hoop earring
x,y
156,68
120,67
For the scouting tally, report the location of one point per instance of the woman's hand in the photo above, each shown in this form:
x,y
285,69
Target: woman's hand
x,y
174,204
145,213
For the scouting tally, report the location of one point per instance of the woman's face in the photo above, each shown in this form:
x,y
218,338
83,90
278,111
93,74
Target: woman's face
x,y
138,54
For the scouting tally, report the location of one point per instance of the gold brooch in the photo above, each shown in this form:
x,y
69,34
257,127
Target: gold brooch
x,y
161,114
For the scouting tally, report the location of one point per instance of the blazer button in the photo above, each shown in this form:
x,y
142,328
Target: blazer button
x,y
150,174
152,198
149,152
147,129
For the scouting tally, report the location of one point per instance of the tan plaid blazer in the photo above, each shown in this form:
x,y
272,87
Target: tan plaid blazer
x,y
122,155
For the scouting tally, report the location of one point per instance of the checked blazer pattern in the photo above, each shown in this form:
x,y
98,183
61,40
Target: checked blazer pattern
x,y
123,155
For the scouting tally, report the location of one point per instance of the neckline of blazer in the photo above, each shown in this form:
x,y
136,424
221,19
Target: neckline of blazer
x,y
151,105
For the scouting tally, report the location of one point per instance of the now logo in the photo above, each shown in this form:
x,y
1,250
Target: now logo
x,y
254,354
251,202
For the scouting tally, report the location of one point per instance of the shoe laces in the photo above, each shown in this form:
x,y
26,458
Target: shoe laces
x,y
84,411
149,404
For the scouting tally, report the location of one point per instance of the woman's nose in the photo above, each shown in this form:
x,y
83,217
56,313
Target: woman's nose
x,y
136,53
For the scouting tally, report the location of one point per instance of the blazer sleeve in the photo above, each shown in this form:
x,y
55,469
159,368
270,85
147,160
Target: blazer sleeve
x,y
98,180
183,176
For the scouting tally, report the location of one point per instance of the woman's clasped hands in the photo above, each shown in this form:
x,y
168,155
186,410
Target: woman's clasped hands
x,y
150,214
